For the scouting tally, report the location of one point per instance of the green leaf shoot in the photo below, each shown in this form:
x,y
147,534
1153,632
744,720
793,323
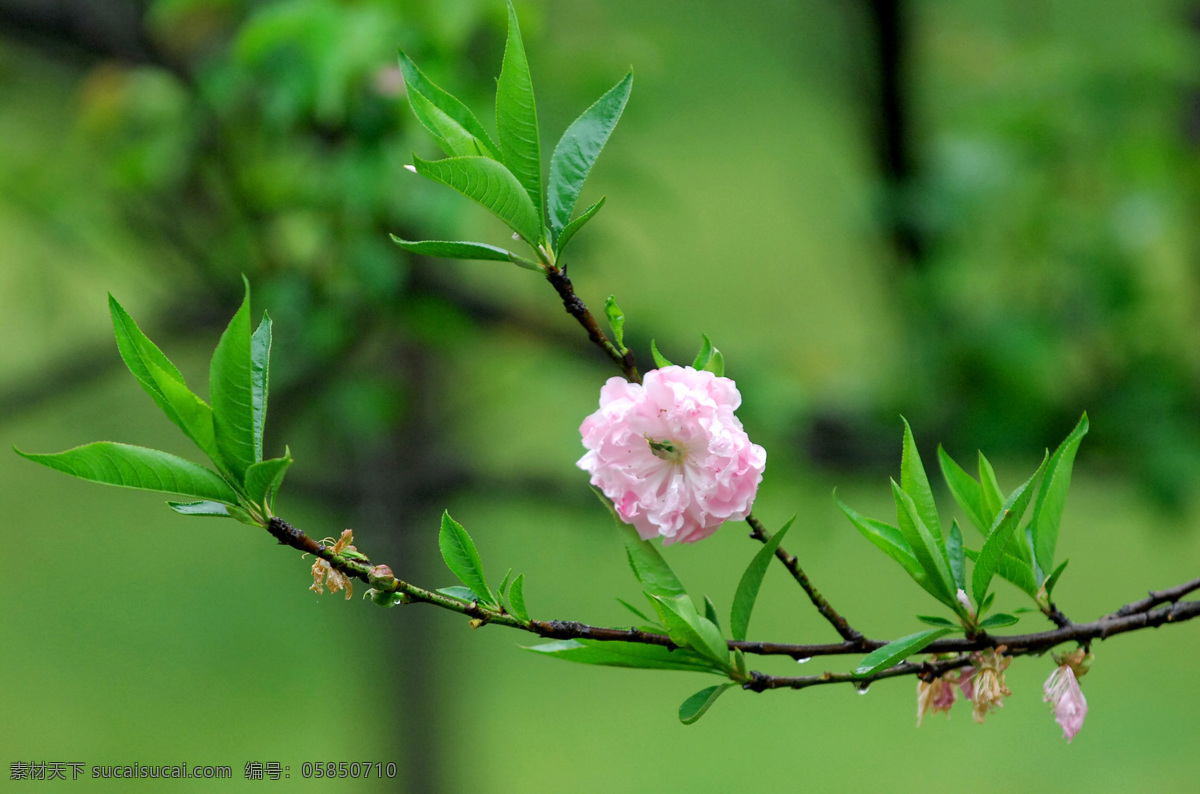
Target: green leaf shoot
x,y
649,567
516,121
231,387
260,375
516,599
897,650
458,550
1000,536
578,149
694,707
1052,496
572,228
660,360
448,249
489,184
129,466
751,581
616,321
627,654
454,126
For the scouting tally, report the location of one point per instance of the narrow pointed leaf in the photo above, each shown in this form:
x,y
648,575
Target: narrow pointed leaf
x,y
965,490
938,582
516,599
660,360
649,567
705,354
191,414
458,550
915,483
418,84
934,620
504,584
204,508
578,149
710,612
627,654
162,381
1000,536
1052,496
616,321
490,184
1052,580
264,478
751,581
716,364
260,375
459,592
687,628
572,228
898,650
998,621
454,139
516,119
958,563
694,707
888,539
447,249
991,497
137,467
231,387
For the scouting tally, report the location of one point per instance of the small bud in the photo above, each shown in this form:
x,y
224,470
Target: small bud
x,y
476,622
412,168
966,602
381,577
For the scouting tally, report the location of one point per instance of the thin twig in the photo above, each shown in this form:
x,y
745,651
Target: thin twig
x,y
1131,617
625,362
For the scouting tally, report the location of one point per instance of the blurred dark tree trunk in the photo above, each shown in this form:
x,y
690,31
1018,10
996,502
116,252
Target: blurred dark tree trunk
x,y
891,35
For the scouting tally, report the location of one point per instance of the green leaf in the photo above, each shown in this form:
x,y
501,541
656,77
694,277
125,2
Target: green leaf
x,y
458,114
895,651
231,387
998,621
163,382
933,620
572,228
516,599
964,489
954,551
516,119
1052,580
716,364
616,321
1052,496
710,612
458,550
504,584
1000,536
189,412
459,592
747,589
454,139
578,149
260,371
490,184
204,508
887,538
137,467
915,483
1017,571
992,498
627,654
649,567
446,249
660,360
694,707
705,355
688,629
938,580
264,478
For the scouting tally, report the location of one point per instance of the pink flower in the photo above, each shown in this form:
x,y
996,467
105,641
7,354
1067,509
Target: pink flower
x,y
1062,689
671,455
936,695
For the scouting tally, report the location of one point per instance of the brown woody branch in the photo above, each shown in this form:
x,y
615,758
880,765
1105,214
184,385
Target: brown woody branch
x,y
1134,616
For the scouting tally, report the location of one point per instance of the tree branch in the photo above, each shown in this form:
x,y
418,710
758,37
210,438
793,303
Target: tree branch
x,y
1134,616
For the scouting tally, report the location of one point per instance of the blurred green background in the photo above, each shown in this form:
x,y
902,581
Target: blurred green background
x,y
979,215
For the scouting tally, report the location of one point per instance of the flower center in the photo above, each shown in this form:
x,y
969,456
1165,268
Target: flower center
x,y
666,450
